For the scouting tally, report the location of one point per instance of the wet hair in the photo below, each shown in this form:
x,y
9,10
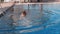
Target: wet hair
x,y
24,13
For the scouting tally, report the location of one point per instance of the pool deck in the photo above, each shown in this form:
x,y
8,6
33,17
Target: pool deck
x,y
5,6
42,3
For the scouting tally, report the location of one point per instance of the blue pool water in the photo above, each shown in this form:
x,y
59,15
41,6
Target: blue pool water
x,y
50,20
33,24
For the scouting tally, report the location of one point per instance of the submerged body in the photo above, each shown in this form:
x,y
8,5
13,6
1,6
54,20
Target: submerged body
x,y
23,13
23,21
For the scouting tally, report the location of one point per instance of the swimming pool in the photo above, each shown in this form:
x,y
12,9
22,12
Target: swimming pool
x,y
33,23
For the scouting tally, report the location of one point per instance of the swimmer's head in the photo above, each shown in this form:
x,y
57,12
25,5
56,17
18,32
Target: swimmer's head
x,y
23,13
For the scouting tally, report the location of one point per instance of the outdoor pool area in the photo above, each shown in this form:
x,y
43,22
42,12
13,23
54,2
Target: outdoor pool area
x,y
35,22
49,24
